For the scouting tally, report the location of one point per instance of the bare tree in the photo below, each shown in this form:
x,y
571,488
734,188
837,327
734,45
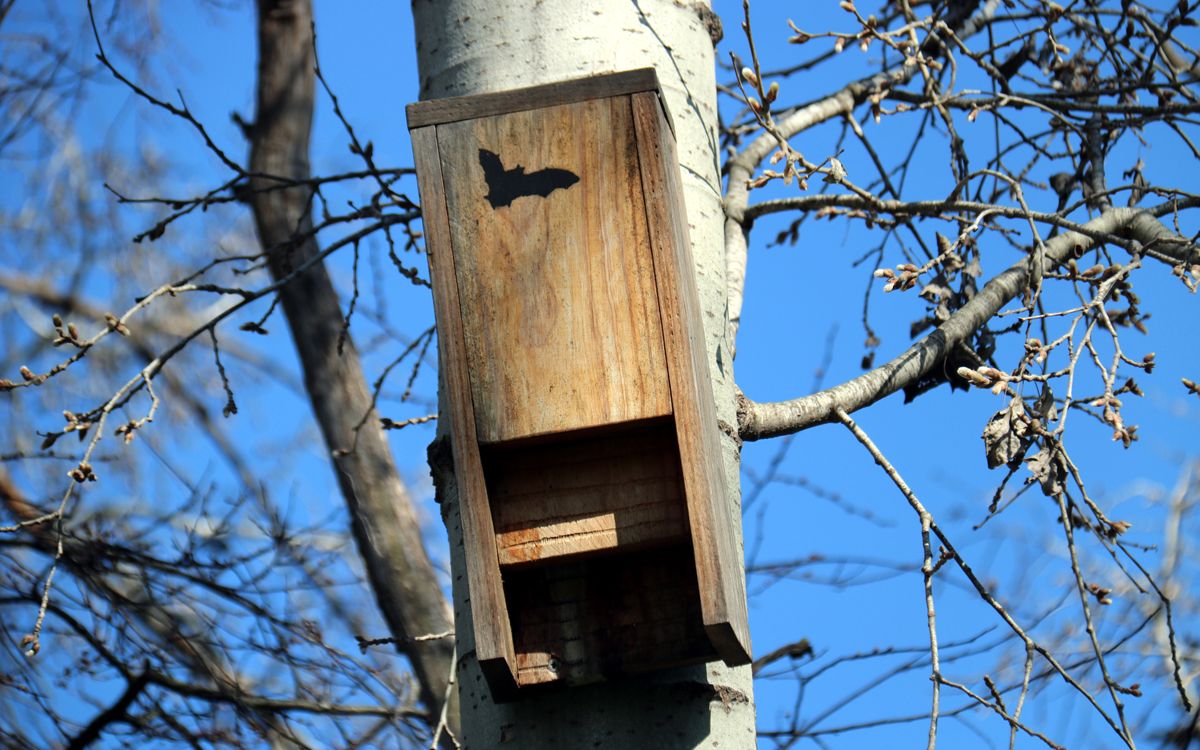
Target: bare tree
x,y
219,617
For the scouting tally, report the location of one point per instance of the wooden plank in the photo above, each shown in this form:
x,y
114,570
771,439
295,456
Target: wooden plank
x,y
604,617
493,634
621,489
455,109
559,305
717,554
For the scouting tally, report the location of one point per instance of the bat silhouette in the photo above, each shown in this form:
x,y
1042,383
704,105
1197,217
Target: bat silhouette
x,y
506,185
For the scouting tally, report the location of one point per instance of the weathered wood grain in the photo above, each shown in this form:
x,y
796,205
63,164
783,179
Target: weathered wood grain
x,y
553,499
718,556
604,617
493,634
559,305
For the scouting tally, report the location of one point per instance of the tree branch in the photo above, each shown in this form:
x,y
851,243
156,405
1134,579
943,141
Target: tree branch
x,y
763,420
741,167
114,713
384,521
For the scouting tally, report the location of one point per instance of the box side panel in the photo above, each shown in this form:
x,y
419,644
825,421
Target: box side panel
x,y
552,258
493,636
718,556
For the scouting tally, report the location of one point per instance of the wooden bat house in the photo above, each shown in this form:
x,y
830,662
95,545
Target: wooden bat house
x,y
599,537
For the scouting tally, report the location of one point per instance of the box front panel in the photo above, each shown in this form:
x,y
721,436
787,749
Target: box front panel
x,y
620,489
598,618
555,278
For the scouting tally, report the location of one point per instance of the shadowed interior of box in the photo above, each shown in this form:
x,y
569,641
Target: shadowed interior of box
x,y
595,552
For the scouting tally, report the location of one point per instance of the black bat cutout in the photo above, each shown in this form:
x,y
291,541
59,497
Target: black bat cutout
x,y
506,185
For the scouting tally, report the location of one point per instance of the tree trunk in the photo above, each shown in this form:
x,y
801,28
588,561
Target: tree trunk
x,y
384,522
473,46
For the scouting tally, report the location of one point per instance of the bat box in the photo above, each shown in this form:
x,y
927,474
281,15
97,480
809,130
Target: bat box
x,y
599,536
